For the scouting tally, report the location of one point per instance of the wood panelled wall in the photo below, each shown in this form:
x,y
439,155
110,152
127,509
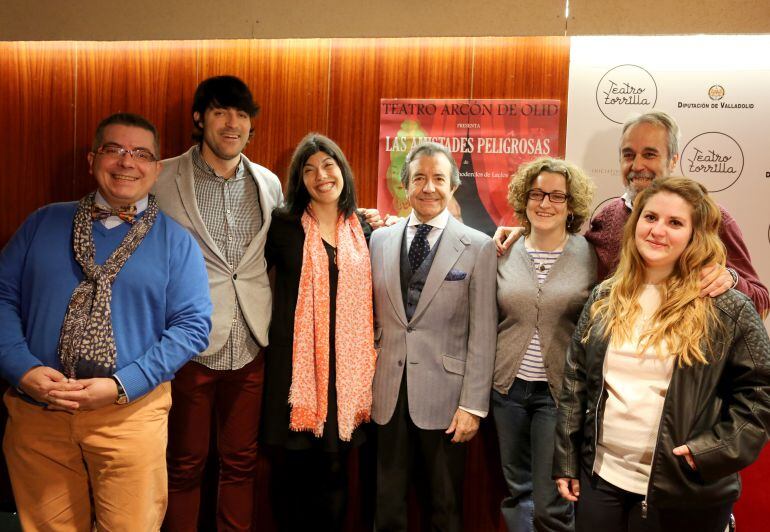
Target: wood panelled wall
x,y
52,95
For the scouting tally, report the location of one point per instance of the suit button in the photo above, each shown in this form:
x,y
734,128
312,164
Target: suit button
x,y
400,363
409,329
235,276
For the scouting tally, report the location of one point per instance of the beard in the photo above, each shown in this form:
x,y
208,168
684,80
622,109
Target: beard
x,y
636,182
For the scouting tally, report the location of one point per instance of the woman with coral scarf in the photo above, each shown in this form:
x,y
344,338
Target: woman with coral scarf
x,y
320,362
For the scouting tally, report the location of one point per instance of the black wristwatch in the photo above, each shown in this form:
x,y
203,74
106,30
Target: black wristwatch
x,y
122,397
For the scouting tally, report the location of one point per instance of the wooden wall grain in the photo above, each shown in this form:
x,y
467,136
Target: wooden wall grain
x,y
52,95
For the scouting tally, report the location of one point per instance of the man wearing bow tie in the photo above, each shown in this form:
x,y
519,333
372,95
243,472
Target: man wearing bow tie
x,y
435,330
101,302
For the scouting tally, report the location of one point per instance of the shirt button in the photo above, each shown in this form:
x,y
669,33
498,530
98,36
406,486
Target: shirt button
x,y
235,276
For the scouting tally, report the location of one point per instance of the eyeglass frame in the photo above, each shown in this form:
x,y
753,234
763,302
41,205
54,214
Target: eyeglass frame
x,y
121,151
567,197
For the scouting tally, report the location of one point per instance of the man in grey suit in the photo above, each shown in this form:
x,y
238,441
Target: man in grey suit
x,y
435,330
226,202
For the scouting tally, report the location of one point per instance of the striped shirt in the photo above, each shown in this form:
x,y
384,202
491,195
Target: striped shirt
x,y
532,368
231,212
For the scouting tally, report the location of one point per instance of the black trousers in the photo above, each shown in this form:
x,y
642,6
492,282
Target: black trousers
x,y
607,508
407,453
309,489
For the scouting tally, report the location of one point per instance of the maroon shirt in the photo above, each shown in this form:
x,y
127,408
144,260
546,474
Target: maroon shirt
x,y
606,235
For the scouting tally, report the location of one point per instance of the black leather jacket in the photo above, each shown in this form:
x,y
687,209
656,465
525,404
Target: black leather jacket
x,y
720,410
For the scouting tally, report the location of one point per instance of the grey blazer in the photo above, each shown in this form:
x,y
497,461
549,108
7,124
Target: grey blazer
x,y
175,193
448,348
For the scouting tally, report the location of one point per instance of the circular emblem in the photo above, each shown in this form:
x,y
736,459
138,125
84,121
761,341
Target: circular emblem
x,y
716,92
714,159
625,90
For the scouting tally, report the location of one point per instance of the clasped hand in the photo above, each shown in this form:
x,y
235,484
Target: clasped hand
x,y
49,386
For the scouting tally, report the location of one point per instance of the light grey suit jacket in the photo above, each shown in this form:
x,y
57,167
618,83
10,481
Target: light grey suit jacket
x,y
175,193
448,348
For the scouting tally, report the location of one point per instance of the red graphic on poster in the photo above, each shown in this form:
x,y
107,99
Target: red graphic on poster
x,y
488,138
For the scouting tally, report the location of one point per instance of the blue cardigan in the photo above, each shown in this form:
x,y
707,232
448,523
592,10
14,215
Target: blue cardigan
x,y
160,299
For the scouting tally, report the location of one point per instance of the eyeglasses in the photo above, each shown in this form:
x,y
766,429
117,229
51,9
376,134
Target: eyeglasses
x,y
139,155
554,197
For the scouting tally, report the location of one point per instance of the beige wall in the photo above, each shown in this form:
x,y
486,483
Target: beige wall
x,y
231,19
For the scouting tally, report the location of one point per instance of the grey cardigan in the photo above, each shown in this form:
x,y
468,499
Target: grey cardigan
x,y
554,308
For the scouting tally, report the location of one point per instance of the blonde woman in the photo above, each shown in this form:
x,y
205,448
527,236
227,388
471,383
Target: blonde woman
x,y
542,284
665,395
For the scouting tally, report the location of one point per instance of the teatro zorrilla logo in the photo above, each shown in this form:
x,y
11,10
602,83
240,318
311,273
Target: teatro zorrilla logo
x,y
713,158
625,90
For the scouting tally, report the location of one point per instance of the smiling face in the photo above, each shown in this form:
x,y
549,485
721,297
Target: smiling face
x,y
662,233
545,216
430,186
123,180
644,155
225,132
322,177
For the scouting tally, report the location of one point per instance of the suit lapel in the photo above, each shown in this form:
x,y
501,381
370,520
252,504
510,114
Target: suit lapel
x,y
267,211
450,247
184,182
391,258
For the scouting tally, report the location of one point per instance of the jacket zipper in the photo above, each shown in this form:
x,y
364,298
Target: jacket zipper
x,y
655,448
596,423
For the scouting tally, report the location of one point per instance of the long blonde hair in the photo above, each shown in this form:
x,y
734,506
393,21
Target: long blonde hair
x,y
683,319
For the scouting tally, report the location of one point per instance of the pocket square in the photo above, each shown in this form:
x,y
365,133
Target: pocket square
x,y
455,275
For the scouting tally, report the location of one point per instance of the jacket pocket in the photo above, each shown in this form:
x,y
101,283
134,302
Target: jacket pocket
x,y
378,339
453,365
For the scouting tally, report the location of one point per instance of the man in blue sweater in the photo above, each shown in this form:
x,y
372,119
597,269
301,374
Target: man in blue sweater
x,y
101,301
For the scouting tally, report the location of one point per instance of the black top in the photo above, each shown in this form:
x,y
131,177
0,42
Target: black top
x,y
283,251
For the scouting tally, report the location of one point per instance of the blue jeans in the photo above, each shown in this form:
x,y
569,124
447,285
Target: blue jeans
x,y
526,423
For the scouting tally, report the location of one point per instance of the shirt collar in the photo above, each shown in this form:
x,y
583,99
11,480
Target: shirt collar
x,y
141,205
627,200
439,221
200,162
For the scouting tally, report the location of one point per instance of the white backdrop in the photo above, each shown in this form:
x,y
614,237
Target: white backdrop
x,y
718,90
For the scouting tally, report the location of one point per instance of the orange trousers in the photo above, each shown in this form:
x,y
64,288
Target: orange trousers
x,y
105,468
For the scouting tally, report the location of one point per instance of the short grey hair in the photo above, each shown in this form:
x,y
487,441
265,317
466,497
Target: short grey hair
x,y
660,119
430,149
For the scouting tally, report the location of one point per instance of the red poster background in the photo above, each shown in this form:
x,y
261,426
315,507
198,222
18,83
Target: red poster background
x,y
488,138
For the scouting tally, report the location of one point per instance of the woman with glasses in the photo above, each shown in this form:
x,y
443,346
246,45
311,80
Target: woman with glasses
x,y
666,394
320,362
542,283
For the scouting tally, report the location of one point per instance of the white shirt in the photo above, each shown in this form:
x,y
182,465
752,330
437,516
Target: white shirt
x,y
114,221
636,384
438,223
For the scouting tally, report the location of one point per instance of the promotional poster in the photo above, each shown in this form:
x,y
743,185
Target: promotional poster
x,y
488,138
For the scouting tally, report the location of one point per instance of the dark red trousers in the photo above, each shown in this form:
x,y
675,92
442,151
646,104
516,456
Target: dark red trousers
x,y
232,399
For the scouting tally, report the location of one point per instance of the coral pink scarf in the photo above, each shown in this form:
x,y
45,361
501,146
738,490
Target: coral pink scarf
x,y
354,333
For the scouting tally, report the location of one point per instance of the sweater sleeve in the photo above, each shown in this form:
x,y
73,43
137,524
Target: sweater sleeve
x,y
15,356
188,322
739,259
